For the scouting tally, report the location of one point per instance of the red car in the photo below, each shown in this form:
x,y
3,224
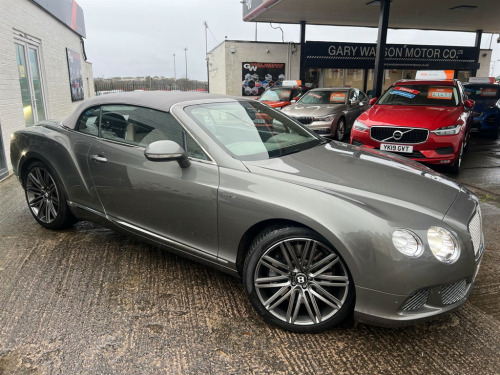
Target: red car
x,y
279,97
427,121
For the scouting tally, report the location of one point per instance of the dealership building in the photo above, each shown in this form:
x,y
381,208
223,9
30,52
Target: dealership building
x,y
43,69
332,64
370,67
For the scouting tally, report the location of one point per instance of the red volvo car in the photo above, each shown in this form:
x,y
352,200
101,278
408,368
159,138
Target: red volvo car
x,y
427,121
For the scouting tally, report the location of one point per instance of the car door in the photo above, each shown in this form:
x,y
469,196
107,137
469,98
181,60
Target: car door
x,y
159,200
82,191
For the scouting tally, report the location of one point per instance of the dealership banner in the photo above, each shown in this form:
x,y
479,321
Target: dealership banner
x,y
258,76
397,56
75,75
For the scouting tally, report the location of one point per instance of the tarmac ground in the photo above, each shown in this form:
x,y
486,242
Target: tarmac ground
x,y
90,301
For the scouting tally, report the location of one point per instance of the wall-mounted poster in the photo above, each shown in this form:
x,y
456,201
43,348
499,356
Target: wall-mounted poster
x,y
75,75
259,76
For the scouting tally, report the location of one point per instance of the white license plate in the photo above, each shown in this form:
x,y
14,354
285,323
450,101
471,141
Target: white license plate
x,y
396,148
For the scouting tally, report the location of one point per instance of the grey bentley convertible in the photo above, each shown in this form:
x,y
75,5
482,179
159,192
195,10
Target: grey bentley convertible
x,y
317,231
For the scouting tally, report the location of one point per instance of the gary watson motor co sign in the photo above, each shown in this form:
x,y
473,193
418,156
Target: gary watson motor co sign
x,y
397,56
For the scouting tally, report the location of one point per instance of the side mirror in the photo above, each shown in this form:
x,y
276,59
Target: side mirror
x,y
469,103
353,102
167,151
373,101
295,98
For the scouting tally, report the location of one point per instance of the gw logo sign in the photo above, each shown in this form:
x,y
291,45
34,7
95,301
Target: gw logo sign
x,y
252,68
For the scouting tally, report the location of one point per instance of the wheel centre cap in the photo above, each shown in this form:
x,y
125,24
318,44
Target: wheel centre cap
x,y
301,278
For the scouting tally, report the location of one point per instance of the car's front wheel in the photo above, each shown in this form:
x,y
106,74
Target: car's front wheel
x,y
340,131
46,198
296,281
455,167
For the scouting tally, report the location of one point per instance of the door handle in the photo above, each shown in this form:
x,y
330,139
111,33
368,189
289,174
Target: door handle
x,y
99,159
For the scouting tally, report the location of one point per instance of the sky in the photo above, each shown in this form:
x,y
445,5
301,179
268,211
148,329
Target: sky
x,y
140,37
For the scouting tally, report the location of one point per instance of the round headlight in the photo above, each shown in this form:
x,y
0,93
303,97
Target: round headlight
x,y
407,243
443,244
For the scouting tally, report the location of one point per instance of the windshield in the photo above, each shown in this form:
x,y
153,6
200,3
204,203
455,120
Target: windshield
x,y
421,95
324,97
478,92
276,95
249,130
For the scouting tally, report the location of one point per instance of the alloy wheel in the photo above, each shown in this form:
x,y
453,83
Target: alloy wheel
x,y
42,194
301,281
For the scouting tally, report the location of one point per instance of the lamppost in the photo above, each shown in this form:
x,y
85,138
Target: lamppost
x,y
206,57
175,75
186,58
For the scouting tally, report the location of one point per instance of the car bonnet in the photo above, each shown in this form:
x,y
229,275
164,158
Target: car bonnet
x,y
429,117
313,109
344,169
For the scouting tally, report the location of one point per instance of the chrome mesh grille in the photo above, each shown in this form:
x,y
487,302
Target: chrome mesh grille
x,y
408,135
453,292
416,300
476,231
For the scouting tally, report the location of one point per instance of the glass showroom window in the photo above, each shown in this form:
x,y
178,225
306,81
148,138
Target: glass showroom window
x,y
30,80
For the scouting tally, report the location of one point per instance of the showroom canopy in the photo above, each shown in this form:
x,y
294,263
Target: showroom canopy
x,y
448,15
474,16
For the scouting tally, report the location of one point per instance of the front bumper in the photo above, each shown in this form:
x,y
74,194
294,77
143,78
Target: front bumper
x,y
436,150
324,128
486,122
390,310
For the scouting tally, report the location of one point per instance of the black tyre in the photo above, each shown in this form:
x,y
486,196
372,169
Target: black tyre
x,y
296,281
46,198
340,131
455,167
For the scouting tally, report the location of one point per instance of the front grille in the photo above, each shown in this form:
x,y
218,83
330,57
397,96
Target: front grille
x,y
322,131
476,232
414,154
416,300
385,134
306,120
452,293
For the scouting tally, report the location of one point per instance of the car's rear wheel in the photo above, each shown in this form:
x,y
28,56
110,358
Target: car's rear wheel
x,y
340,131
296,281
46,198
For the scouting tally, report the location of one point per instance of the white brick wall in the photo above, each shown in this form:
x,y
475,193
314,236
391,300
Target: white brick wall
x,y
25,17
226,71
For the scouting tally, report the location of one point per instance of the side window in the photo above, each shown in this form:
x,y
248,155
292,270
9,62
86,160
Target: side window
x,y
88,122
193,150
141,126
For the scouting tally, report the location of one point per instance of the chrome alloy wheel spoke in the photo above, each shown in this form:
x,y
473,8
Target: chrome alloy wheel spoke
x,y
301,281
42,194
327,298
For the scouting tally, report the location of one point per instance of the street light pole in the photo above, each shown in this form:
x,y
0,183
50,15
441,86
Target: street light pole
x,y
185,57
206,57
175,75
